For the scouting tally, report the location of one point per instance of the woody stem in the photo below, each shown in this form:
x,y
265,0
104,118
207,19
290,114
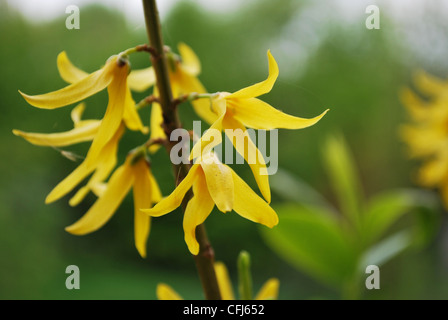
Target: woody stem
x,y
205,259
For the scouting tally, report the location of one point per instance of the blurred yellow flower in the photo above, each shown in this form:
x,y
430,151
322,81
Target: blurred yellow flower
x,y
427,134
135,173
213,183
269,290
242,109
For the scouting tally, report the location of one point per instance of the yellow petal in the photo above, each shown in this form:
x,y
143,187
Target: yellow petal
x,y
212,137
186,84
142,192
156,123
269,291
79,196
219,182
107,162
416,107
171,202
261,87
165,292
131,116
104,207
198,209
190,61
113,116
71,181
68,71
244,146
250,206
430,85
257,114
77,91
61,139
433,171
224,283
141,80
77,112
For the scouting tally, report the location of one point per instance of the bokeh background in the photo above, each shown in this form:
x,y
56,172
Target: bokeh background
x,y
327,59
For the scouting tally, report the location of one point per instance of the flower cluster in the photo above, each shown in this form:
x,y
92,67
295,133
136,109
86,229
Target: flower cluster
x,y
427,135
212,182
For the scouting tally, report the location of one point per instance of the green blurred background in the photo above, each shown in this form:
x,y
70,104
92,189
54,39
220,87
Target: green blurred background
x,y
326,60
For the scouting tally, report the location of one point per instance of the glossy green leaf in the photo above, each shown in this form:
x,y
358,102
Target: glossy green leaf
x,y
294,189
343,177
385,209
314,242
385,250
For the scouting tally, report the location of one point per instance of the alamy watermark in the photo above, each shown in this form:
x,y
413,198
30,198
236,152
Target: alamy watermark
x,y
73,20
73,280
373,20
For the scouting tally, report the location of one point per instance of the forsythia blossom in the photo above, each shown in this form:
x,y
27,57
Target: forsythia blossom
x,y
427,135
213,184
242,109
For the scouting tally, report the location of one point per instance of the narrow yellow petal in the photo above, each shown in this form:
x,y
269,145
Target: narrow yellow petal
x,y
141,80
68,71
198,209
77,112
71,181
79,196
104,207
107,162
269,291
244,146
77,91
131,116
156,123
433,171
219,182
212,137
61,139
142,192
113,116
224,283
171,202
257,114
186,84
190,61
250,206
165,292
416,107
262,87
430,84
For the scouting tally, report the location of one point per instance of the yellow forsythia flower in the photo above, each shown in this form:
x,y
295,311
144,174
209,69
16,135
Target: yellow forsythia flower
x,y
72,74
112,76
135,173
427,135
269,290
213,184
242,109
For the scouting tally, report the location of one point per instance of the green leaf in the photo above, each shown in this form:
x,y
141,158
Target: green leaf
x,y
344,178
294,189
385,250
384,210
314,242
